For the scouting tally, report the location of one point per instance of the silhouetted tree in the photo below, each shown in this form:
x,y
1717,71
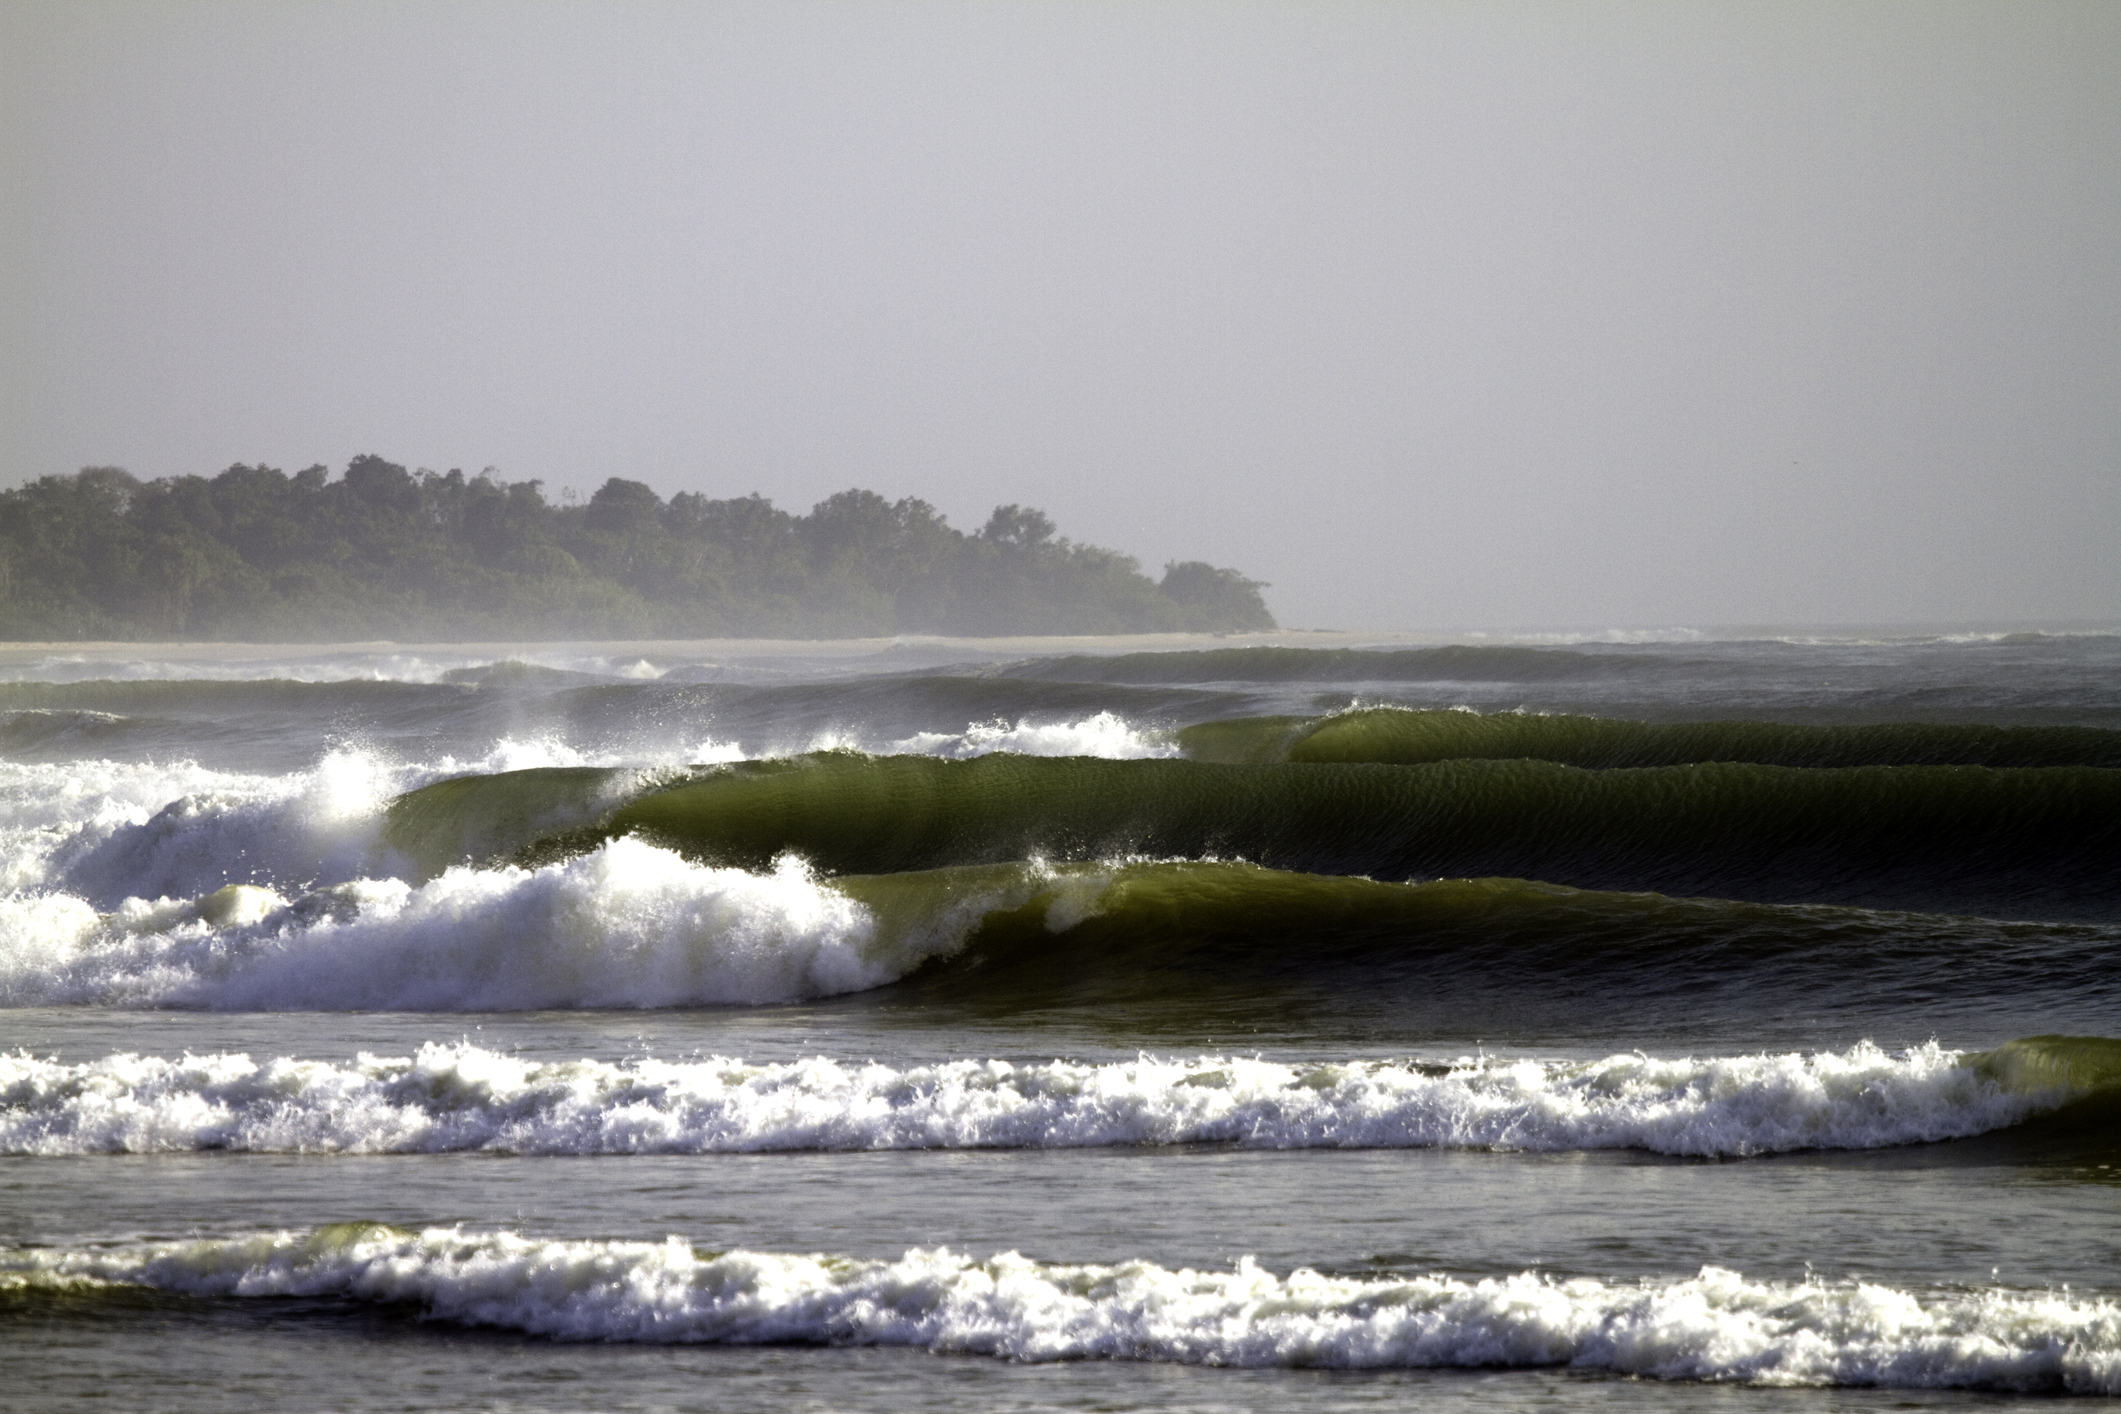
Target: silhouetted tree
x,y
389,552
1215,598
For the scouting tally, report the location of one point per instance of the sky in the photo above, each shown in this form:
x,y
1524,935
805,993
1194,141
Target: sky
x,y
1433,315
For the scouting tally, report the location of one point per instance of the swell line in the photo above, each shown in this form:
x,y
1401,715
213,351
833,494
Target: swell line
x,y
1716,1325
450,1098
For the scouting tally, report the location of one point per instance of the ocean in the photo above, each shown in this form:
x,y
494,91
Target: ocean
x,y
1666,1020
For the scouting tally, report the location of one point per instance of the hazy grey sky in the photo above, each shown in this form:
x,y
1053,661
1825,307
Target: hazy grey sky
x,y
1435,315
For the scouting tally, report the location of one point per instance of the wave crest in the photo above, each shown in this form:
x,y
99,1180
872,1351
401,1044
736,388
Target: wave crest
x,y
1712,1326
463,1097
624,925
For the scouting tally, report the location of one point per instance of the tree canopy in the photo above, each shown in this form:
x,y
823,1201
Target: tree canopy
x,y
382,552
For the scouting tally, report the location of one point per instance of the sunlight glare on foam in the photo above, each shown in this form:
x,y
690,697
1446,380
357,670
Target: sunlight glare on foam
x,y
348,783
1715,1325
49,812
148,831
1106,734
110,830
535,753
462,1097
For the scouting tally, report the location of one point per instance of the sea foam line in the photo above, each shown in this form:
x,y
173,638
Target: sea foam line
x,y
463,1097
1712,1326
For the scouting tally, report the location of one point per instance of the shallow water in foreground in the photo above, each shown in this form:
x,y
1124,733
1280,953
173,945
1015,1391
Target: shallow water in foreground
x,y
1104,1115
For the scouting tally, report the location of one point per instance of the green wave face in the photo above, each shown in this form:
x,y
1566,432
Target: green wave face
x,y
473,819
2084,1073
1250,741
1938,838
1200,949
1401,737
1017,932
1020,933
2080,1066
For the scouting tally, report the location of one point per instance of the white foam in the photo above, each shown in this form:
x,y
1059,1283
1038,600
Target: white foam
x,y
529,753
463,1097
108,831
1715,1325
1106,734
627,924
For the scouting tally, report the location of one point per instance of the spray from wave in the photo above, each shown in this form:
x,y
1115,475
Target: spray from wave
x,y
626,925
1105,734
108,831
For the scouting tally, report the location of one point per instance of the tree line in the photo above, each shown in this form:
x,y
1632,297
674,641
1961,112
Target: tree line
x,y
381,552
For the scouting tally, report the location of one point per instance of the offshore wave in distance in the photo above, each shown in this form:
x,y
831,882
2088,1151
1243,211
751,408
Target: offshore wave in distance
x,y
1407,736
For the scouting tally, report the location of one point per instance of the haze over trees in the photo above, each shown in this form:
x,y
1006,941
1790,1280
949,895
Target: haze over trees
x,y
381,552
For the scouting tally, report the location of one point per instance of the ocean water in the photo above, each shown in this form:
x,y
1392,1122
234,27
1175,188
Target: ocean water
x,y
1497,1025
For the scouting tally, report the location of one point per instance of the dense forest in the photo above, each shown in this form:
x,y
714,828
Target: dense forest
x,y
381,552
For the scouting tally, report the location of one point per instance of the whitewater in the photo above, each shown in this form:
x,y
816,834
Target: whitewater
x,y
1279,1025
1713,1326
464,1097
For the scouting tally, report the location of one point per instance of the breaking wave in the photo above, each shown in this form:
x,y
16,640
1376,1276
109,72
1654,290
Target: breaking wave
x,y
628,923
624,925
462,1097
1106,735
1715,1325
1953,839
108,831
